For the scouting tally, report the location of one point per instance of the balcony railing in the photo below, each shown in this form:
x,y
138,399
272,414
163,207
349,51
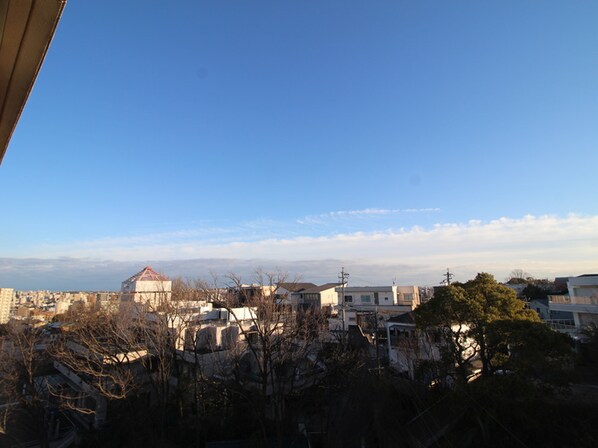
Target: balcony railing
x,y
585,300
560,299
561,324
576,300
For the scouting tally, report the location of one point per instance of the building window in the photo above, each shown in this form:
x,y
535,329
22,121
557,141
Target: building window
x,y
348,298
408,297
366,298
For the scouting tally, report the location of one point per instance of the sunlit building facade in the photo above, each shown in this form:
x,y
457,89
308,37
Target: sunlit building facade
x,y
6,298
147,287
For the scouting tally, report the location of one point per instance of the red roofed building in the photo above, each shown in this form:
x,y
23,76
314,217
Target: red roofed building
x,y
147,287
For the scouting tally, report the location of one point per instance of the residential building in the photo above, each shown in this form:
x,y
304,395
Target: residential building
x,y
249,293
6,298
318,297
408,346
582,300
366,304
366,296
292,293
108,301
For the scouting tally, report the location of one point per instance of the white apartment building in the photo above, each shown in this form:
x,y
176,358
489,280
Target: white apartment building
x,y
147,287
362,302
6,298
368,296
582,300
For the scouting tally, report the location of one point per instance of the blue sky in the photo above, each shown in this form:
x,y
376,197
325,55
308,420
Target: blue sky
x,y
395,137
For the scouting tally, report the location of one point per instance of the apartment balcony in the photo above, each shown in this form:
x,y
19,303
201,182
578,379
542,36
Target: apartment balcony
x,y
574,304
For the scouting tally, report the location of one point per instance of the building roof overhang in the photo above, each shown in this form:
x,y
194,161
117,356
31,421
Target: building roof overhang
x,y
26,30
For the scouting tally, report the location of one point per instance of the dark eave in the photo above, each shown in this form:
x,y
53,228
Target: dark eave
x,y
26,30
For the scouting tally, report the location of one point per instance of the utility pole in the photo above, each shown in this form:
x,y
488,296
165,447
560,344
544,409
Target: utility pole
x,y
343,279
449,276
377,343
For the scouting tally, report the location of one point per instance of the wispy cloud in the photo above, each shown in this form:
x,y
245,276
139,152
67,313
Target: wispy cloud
x,y
365,213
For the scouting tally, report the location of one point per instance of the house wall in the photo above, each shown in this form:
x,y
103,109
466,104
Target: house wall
x,y
369,296
148,286
408,295
152,292
324,298
328,297
541,308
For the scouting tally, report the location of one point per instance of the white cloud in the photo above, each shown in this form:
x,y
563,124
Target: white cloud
x,y
542,245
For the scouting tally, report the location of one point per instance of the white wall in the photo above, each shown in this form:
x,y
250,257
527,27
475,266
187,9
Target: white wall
x,y
329,297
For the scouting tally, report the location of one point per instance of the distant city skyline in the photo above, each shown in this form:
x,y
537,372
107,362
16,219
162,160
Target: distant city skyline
x,y
395,139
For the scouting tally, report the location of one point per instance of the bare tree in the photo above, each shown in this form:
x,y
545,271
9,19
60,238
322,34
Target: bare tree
x,y
281,348
22,360
98,353
518,276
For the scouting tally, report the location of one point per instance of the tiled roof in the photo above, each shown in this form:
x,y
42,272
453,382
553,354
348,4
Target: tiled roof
x,y
147,274
321,288
296,287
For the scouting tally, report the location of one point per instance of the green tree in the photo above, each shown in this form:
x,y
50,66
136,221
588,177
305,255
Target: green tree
x,y
466,312
531,349
534,292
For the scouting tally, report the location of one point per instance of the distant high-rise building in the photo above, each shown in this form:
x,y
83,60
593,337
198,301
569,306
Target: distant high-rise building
x,y
6,297
147,287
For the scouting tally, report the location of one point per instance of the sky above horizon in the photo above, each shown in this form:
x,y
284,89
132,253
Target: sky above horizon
x,y
394,138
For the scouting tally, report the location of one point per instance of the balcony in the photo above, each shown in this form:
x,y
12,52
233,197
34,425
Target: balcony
x,y
574,304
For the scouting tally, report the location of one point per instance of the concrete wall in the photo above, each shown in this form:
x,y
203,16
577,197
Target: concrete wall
x,y
329,297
